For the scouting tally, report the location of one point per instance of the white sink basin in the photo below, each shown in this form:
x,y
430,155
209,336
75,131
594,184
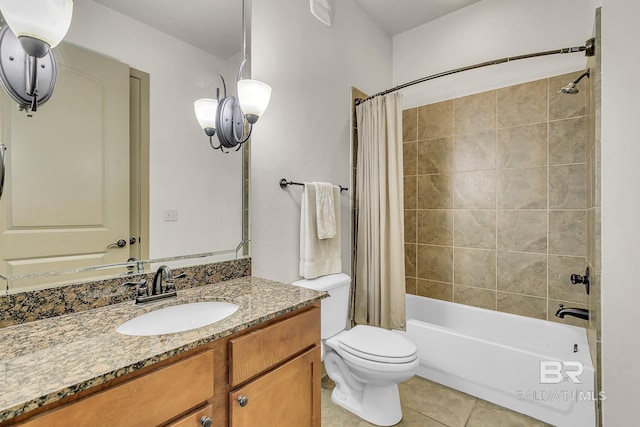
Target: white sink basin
x,y
178,318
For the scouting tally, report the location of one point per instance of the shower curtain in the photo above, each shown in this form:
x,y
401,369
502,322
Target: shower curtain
x,y
379,280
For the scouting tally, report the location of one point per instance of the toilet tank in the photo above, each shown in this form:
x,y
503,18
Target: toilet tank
x,y
334,310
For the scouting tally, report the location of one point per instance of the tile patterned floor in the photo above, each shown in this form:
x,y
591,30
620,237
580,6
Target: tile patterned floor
x,y
428,404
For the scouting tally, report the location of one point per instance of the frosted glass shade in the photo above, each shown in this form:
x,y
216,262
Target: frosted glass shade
x,y
206,110
46,20
254,96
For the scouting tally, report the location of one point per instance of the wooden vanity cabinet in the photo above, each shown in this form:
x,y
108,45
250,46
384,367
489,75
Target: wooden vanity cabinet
x,y
276,365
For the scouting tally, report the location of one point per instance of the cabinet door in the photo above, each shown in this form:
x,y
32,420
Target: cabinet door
x,y
287,396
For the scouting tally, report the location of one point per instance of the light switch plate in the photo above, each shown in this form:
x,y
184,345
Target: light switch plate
x,y
170,215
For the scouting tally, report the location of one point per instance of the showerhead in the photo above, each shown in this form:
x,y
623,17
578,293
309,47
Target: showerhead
x,y
571,88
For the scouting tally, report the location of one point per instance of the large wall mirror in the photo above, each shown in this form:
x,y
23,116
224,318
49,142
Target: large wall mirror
x,y
117,155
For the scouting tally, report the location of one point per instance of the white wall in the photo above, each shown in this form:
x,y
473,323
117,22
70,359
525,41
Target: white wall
x,y
488,30
186,174
620,212
305,133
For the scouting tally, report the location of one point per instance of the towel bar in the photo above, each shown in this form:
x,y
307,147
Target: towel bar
x,y
284,184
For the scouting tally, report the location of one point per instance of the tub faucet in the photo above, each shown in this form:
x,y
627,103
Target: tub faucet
x,y
581,313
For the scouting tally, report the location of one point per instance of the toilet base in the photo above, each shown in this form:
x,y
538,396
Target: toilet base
x,y
378,405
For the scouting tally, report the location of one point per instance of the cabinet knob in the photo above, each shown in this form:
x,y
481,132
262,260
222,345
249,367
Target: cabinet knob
x,y
243,400
206,421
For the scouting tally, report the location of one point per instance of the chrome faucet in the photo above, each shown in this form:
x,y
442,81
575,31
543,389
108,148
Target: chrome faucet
x,y
581,313
162,273
157,290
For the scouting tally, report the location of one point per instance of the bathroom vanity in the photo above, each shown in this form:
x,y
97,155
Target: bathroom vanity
x,y
260,366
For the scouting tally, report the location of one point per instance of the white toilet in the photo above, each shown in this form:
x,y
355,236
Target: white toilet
x,y
365,362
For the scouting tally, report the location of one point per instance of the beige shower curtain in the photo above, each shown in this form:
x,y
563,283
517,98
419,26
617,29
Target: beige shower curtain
x,y
379,279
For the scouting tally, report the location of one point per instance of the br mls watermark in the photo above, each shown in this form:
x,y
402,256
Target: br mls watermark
x,y
556,372
553,372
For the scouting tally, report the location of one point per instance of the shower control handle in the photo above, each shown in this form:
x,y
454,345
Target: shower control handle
x,y
578,279
243,400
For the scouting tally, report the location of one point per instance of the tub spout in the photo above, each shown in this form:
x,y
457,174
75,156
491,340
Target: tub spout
x,y
580,313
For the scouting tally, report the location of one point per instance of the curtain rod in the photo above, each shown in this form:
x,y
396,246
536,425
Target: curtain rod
x,y
588,49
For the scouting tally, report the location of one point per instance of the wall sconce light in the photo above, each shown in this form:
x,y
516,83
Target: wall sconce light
x,y
227,117
27,66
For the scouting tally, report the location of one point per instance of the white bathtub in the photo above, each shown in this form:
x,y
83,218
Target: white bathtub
x,y
497,357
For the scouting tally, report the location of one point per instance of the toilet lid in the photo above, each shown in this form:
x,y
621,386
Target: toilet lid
x,y
377,344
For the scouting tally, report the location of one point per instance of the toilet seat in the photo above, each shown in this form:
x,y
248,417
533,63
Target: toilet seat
x,y
377,345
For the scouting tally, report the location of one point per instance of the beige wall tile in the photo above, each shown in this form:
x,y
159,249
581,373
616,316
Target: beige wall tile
x,y
410,285
522,146
435,155
475,267
410,259
590,181
435,191
438,290
478,297
562,106
560,270
522,231
523,104
435,120
410,192
596,259
475,229
523,305
410,225
567,141
475,113
567,233
435,263
475,190
522,273
410,158
435,227
595,311
567,187
481,181
475,151
522,188
410,125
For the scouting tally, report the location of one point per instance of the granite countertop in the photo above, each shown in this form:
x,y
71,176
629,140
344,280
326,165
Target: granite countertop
x,y
46,360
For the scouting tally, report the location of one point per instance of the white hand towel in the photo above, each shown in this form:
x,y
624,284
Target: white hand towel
x,y
318,257
325,211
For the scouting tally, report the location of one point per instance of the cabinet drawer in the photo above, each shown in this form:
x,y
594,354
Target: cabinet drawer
x,y
194,419
257,351
151,399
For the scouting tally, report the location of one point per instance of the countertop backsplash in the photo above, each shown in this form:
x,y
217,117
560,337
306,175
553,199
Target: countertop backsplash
x,y
45,303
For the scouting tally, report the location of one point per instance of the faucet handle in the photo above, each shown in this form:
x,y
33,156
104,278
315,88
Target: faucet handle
x,y
142,282
141,287
180,276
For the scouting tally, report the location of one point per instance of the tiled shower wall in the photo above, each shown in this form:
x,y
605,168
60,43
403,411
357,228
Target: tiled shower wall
x,y
496,201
